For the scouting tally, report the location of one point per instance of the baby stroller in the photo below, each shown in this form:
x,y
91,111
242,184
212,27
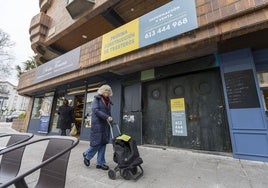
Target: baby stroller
x,y
126,155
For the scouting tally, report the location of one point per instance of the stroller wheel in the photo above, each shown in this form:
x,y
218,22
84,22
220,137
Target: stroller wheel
x,y
126,175
134,170
112,174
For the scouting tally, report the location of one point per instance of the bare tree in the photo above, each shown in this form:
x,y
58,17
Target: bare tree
x,y
5,55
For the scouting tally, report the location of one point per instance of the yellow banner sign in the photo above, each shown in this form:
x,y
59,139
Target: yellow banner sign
x,y
121,40
177,104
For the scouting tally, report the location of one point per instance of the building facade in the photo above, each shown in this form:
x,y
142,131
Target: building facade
x,y
186,74
11,100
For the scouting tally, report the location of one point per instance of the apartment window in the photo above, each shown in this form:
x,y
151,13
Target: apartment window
x,y
77,7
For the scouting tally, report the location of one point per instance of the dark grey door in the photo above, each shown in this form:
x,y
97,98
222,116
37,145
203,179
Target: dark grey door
x,y
155,110
206,123
131,113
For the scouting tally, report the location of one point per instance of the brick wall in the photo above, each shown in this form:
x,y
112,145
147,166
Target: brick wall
x,y
26,79
218,20
19,125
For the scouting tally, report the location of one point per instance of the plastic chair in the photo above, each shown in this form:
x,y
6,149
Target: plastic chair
x,y
54,164
10,162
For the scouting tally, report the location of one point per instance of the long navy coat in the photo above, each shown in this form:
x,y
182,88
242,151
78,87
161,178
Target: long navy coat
x,y
100,130
66,117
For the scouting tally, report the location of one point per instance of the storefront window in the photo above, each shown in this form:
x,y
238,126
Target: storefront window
x,y
42,107
36,108
41,113
88,113
263,81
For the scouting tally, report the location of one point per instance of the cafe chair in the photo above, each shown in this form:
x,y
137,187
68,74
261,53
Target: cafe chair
x,y
54,164
11,161
15,138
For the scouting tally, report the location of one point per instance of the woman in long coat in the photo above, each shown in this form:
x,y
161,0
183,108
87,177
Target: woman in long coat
x,y
66,117
100,130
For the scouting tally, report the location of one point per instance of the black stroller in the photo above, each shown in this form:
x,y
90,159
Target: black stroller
x,y
126,155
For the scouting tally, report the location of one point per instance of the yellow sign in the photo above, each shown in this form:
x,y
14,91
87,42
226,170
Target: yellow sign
x,y
121,40
177,104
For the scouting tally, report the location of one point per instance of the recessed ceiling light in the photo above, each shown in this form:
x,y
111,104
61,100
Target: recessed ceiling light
x,y
132,9
84,36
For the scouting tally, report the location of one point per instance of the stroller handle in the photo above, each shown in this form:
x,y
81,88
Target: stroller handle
x,y
111,128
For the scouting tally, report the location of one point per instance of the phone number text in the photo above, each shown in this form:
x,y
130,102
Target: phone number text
x,y
163,29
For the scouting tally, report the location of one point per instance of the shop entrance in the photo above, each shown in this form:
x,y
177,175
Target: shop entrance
x,y
78,111
77,102
205,117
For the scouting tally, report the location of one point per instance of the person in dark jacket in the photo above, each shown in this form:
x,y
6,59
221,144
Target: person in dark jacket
x,y
100,130
66,117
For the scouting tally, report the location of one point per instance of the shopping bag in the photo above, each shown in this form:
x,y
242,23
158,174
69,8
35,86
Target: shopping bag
x,y
73,131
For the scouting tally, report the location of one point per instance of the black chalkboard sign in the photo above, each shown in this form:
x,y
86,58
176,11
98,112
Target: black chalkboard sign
x,y
241,89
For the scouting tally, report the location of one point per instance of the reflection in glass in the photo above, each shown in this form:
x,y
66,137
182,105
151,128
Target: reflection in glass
x,y
36,108
56,116
88,113
263,79
42,107
263,82
46,106
78,110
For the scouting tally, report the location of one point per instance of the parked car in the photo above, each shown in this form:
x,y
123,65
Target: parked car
x,y
13,115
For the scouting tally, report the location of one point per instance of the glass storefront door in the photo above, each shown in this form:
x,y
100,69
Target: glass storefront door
x,y
55,118
86,125
81,101
88,113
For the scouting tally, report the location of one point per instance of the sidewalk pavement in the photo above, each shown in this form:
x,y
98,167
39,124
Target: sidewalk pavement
x,y
167,168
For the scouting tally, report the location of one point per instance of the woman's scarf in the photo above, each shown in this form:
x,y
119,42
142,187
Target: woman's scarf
x,y
106,100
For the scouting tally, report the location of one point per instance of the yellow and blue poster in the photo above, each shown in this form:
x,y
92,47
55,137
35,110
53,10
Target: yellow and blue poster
x,y
169,20
45,112
121,40
178,117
